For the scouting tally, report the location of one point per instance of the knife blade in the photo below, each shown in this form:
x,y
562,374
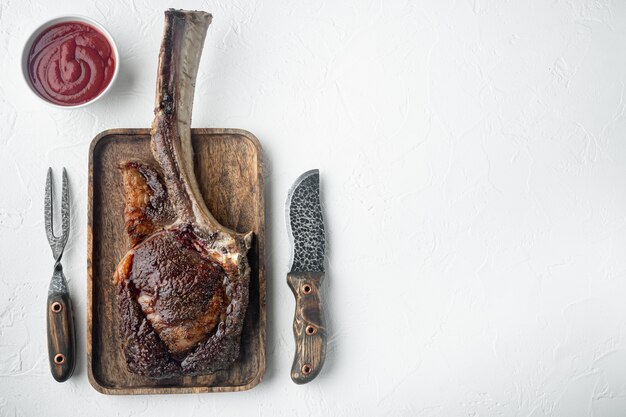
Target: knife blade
x,y
305,226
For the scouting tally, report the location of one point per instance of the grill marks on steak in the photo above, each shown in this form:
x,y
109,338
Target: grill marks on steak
x,y
183,286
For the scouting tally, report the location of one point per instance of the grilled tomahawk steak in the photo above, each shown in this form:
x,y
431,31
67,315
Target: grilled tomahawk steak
x,y
182,288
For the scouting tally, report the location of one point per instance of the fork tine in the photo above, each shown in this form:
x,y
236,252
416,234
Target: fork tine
x,y
65,208
48,208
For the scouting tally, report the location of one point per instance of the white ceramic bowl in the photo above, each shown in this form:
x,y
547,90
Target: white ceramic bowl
x,y
61,19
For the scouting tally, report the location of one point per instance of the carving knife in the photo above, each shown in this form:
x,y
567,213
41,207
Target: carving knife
x,y
305,226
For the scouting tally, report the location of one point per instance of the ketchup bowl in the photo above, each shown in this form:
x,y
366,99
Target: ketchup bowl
x,y
70,62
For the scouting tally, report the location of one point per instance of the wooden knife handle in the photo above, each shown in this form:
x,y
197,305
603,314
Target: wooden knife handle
x,y
309,327
61,337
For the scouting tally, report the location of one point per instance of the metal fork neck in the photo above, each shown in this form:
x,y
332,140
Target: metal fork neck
x,y
58,283
57,251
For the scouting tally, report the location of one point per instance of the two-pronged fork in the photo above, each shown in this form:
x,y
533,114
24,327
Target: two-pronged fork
x,y
61,337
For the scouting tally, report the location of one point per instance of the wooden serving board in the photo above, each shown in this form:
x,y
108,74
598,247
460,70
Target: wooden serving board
x,y
229,169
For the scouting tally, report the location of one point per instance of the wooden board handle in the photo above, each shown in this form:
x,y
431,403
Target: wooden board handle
x,y
309,328
61,337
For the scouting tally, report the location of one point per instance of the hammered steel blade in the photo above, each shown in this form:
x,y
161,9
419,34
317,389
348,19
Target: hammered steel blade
x,y
305,224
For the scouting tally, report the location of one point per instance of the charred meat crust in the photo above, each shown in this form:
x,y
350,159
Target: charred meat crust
x,y
147,207
178,289
145,352
194,296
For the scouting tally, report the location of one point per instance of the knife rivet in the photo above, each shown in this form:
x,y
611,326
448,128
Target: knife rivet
x,y
59,359
56,307
311,330
306,289
306,369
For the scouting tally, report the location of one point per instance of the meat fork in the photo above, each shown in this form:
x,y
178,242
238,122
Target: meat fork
x,y
61,335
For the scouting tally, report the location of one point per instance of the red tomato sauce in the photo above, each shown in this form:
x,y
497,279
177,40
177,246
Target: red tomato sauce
x,y
70,63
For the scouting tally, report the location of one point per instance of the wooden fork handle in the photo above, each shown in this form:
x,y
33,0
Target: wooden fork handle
x,y
61,336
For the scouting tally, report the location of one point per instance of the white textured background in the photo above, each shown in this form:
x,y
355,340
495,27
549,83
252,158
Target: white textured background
x,y
473,157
